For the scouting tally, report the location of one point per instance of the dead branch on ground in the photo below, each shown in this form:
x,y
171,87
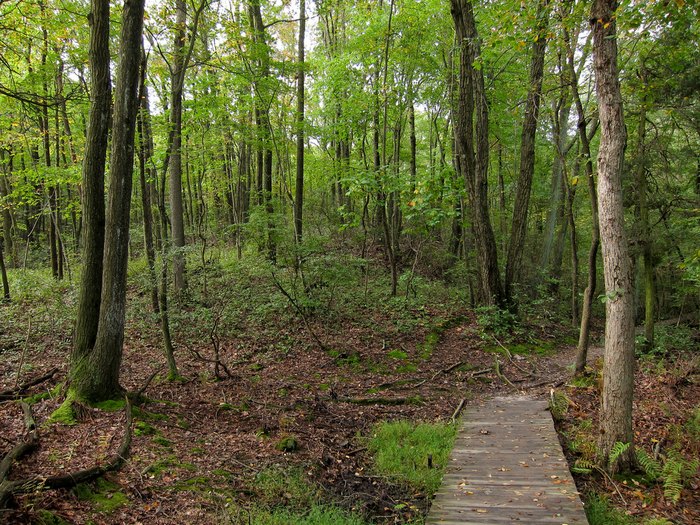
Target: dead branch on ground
x,y
15,393
8,488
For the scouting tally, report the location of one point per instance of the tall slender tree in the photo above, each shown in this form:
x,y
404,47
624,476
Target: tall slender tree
x,y
618,371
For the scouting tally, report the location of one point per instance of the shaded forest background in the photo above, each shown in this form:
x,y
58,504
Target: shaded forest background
x,y
406,171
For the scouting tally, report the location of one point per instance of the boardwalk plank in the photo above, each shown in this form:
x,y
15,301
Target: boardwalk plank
x,y
507,467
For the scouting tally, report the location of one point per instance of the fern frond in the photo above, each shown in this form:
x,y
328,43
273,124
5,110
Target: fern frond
x,y
652,467
673,479
618,449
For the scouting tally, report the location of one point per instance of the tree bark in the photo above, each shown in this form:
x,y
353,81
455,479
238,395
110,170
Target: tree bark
x,y
527,152
93,186
618,371
97,378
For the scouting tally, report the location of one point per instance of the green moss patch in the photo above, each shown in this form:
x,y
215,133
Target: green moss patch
x,y
104,495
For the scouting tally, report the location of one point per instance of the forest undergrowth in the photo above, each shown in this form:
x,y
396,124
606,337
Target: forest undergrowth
x,y
294,385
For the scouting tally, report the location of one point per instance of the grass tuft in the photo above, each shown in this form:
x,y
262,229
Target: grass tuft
x,y
414,454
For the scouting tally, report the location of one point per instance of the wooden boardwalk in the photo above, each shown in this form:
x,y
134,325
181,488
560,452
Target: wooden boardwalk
x,y
507,467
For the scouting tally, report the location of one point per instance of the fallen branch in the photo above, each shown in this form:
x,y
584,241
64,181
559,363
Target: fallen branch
x,y
458,410
22,486
390,401
137,395
439,372
501,376
509,355
17,392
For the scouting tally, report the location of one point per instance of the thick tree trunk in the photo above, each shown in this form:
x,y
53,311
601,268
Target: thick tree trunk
x,y
473,162
97,377
93,208
527,152
618,371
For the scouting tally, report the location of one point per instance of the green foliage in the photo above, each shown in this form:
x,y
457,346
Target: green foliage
x,y
316,515
600,512
291,487
45,517
414,454
64,414
495,322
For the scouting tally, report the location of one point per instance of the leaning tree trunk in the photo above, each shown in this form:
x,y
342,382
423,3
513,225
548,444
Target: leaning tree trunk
x,y
97,377
93,208
618,371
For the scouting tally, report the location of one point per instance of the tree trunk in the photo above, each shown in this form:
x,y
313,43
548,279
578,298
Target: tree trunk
x,y
97,377
618,372
145,160
527,152
473,162
177,220
3,274
299,186
93,208
644,234
589,293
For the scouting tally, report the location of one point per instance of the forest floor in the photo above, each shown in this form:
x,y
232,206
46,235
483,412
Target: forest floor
x,y
304,396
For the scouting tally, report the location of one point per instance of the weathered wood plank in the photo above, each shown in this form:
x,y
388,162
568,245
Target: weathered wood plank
x,y
507,467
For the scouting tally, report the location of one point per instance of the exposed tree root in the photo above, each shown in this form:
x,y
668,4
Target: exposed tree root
x,y
8,488
17,392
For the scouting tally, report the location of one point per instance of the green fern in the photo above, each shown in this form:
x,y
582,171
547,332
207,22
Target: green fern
x,y
618,449
652,468
672,474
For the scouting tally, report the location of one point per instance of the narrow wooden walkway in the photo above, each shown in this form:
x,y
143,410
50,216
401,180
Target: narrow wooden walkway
x,y
507,467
